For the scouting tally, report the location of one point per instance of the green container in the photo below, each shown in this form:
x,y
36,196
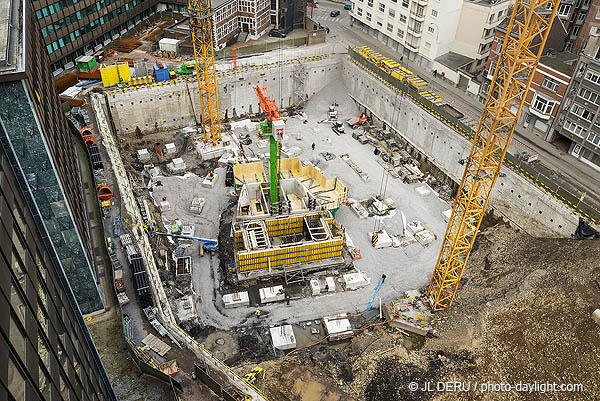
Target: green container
x,y
175,229
87,63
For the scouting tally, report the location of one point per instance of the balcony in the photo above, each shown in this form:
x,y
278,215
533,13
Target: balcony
x,y
415,30
417,15
412,45
421,2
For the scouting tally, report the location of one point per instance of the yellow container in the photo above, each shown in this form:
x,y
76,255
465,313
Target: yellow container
x,y
124,72
110,75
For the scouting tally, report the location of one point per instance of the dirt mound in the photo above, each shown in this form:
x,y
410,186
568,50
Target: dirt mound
x,y
522,314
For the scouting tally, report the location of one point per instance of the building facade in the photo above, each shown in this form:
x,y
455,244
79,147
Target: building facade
x,y
39,144
72,28
572,14
426,30
46,352
577,128
590,26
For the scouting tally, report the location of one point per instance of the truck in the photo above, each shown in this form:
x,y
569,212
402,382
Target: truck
x,y
332,113
338,127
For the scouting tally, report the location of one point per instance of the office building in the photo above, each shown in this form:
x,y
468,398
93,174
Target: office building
x,y
39,145
72,28
46,352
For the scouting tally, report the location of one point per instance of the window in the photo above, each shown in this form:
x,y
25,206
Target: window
x,y
594,138
542,105
582,112
434,13
370,3
597,56
400,33
379,22
430,29
369,16
550,83
574,128
589,96
392,12
381,7
576,31
593,76
359,12
492,17
403,18
405,3
390,27
581,17
564,10
38,14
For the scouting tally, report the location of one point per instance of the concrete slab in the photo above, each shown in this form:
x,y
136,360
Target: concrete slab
x,y
271,294
236,299
283,337
338,327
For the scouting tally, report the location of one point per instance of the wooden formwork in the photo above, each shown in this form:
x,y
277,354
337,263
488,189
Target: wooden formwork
x,y
248,173
280,257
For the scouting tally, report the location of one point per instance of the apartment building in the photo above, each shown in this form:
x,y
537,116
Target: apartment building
x,y
577,127
46,352
72,28
590,26
39,145
549,83
572,14
456,34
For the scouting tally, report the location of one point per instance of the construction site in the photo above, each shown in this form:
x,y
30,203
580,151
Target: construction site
x,y
314,223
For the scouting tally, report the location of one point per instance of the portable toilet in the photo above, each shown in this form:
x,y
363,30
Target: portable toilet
x,y
160,73
124,73
87,63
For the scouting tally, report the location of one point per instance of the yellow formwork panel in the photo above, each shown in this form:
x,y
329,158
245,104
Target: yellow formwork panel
x,y
110,75
124,72
281,257
285,226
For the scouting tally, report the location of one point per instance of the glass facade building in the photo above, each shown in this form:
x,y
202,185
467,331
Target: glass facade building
x,y
46,352
38,143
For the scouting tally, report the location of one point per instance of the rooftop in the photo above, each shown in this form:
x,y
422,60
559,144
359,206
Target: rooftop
x,y
12,14
563,62
453,60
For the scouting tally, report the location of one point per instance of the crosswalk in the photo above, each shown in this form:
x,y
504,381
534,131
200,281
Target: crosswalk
x,y
327,18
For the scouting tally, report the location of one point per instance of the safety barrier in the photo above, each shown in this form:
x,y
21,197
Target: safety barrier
x,y
573,202
163,307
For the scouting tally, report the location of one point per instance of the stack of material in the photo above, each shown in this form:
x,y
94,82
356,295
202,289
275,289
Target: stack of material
x,y
126,45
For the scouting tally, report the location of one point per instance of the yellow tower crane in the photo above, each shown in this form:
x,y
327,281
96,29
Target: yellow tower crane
x,y
202,38
524,42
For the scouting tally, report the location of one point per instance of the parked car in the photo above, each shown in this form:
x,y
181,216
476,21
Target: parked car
x,y
348,6
335,13
324,27
276,33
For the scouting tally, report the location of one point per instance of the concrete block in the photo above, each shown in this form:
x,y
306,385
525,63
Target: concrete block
x,y
171,148
177,165
330,284
236,299
446,215
187,230
383,240
291,151
315,287
338,327
425,237
197,205
415,227
359,210
283,337
271,294
354,281
165,206
210,181
143,155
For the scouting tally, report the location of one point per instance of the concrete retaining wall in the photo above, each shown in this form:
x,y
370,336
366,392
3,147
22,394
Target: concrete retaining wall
x,y
514,197
168,107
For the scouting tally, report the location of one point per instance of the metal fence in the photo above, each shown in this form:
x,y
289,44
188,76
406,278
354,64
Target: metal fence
x,y
571,200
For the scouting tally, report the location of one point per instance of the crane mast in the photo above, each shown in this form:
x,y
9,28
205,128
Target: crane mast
x,y
524,42
202,38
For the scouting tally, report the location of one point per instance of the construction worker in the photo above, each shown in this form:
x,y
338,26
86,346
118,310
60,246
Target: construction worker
x,y
257,313
313,146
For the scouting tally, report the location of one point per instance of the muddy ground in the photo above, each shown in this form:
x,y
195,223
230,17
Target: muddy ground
x,y
522,314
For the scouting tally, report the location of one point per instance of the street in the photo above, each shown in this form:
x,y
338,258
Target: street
x,y
562,168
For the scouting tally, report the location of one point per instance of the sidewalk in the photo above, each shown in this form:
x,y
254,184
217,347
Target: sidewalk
x,y
567,171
